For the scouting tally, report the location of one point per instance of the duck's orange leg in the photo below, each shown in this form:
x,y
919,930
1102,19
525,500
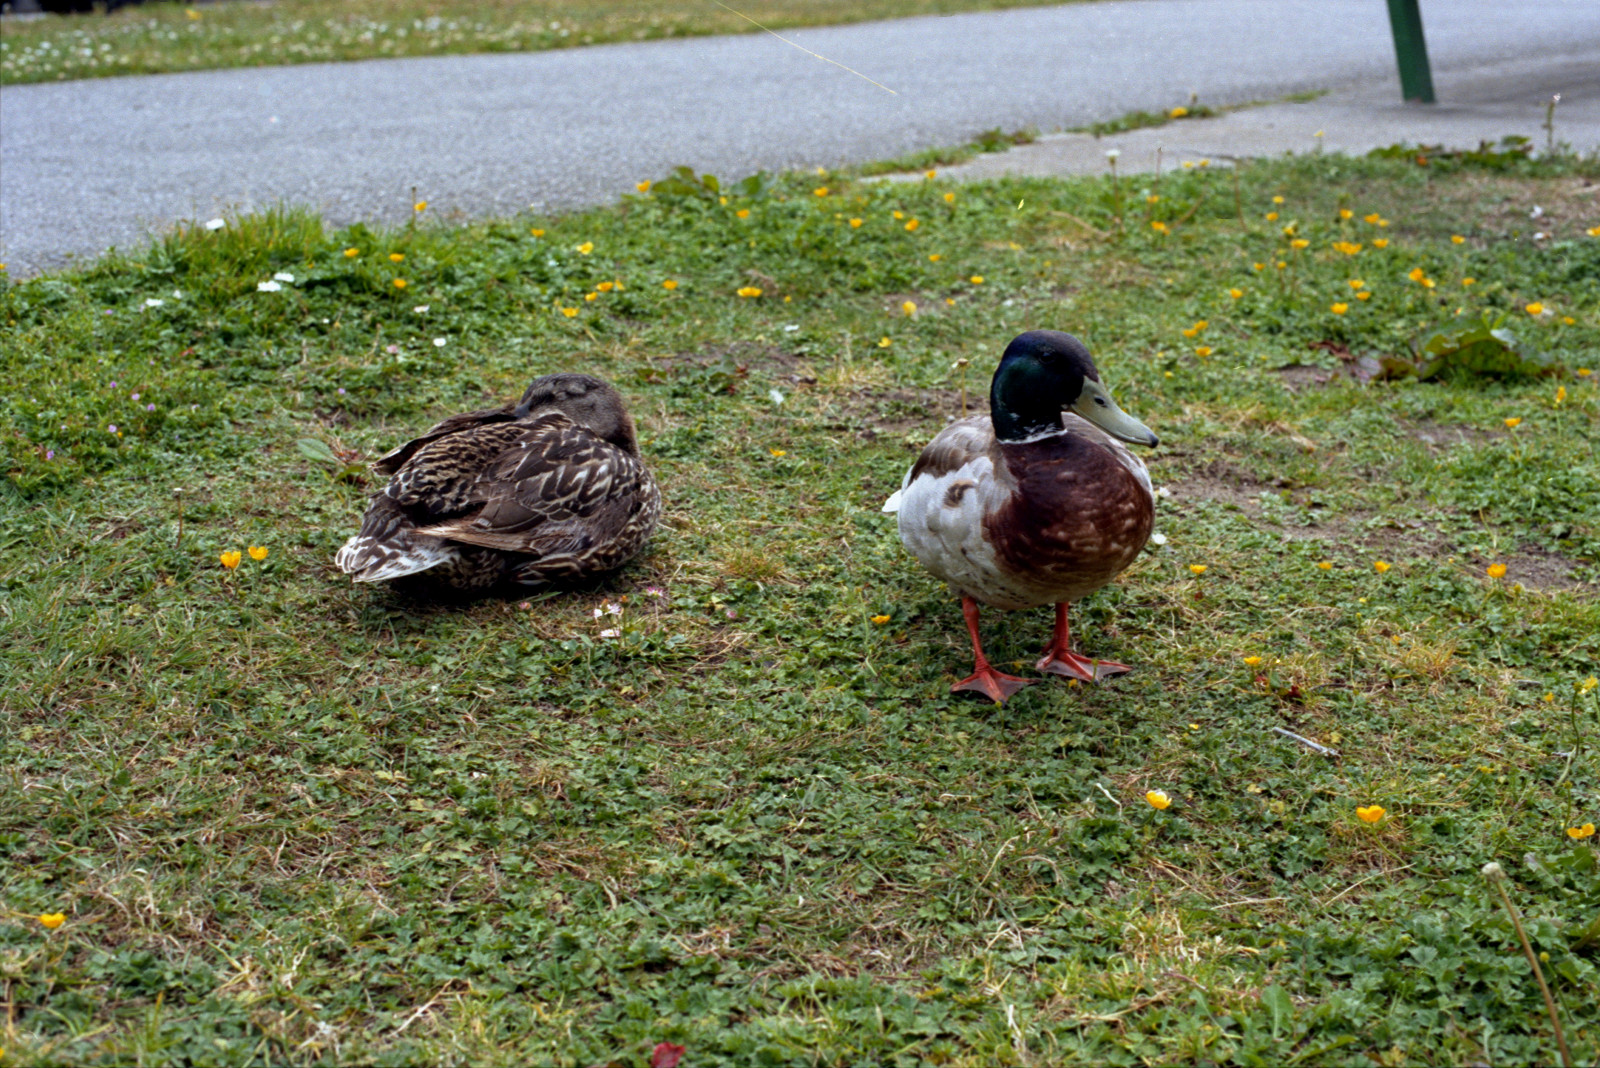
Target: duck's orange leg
x,y
984,679
1059,659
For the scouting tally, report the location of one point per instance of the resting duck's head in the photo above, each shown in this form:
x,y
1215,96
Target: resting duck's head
x,y
1046,372
586,400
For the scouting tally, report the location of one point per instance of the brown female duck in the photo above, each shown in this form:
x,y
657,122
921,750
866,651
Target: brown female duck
x,y
1037,503
548,490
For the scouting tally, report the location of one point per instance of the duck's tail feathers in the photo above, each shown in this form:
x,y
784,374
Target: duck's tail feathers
x,y
388,546
893,503
369,559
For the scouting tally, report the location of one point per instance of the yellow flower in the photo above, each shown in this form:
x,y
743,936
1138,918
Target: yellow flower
x,y
1513,422
1561,394
1158,226
420,206
820,191
396,257
1272,216
1203,351
1178,113
934,257
1258,266
1235,292
669,284
230,560
1345,213
1585,372
606,287
1277,200
1379,566
929,173
1158,800
950,301
586,248
1588,684
855,224
1152,199
743,213
1457,239
1370,813
1593,231
1383,223
899,215
1428,283
1288,231
722,201
1380,242
1199,569
400,283
779,453
949,198
52,920
880,620
913,224
1340,308
1572,832
1356,283
1349,248
590,296
884,342
536,232
643,187
749,291
192,15
1416,274
1325,565
1569,320
1189,331
976,279
1534,309
258,553
1364,295
1497,570
909,307
1373,218
569,312
1252,660
1280,265
352,253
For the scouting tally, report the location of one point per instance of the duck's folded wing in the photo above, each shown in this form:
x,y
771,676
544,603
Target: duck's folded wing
x,y
396,458
441,479
558,489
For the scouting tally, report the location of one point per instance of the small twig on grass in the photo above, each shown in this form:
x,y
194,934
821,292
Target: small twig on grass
x,y
1496,876
1308,743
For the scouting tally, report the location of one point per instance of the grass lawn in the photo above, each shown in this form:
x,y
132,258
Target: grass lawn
x,y
159,37
284,819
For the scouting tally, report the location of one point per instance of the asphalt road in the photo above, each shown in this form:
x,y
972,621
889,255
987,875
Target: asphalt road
x,y
85,165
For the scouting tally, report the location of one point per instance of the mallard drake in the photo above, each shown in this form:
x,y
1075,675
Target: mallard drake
x,y
1036,503
547,490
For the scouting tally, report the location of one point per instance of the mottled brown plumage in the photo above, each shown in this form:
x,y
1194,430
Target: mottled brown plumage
x,y
549,490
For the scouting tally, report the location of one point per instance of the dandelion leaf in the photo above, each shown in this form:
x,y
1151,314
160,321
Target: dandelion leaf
x,y
1480,349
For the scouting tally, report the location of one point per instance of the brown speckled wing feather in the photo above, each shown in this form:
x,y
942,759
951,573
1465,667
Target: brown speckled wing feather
x,y
396,458
555,489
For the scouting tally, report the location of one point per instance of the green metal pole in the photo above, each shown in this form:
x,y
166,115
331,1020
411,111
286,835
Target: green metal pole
x,y
1416,80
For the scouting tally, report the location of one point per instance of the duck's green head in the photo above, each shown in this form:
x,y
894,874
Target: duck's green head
x,y
1046,372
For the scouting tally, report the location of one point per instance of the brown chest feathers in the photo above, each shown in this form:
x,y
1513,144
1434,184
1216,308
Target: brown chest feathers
x,y
1076,512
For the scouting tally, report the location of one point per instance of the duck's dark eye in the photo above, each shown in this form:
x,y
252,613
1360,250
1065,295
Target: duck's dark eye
x,y
1100,401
